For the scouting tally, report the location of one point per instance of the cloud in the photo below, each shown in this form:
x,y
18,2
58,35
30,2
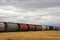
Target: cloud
x,y
47,15
31,4
30,11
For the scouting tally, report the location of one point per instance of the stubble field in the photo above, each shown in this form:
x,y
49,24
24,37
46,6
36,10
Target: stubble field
x,y
30,35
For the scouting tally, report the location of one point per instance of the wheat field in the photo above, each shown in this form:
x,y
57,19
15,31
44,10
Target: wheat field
x,y
30,35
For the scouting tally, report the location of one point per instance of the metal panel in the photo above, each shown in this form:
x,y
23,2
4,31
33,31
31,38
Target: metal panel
x,y
31,27
38,27
2,26
23,27
12,27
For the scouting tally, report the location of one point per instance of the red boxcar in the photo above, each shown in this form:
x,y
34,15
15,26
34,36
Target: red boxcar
x,y
31,27
23,27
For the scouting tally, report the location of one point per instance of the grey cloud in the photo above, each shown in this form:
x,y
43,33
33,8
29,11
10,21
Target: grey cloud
x,y
31,4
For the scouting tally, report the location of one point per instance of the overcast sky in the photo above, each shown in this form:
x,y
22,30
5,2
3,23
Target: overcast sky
x,y
46,12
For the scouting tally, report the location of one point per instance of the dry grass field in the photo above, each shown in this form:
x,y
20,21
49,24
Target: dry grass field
x,y
30,35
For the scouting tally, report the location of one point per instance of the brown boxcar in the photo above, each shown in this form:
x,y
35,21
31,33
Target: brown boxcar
x,y
56,28
50,27
31,27
53,27
43,27
2,26
23,27
38,27
12,27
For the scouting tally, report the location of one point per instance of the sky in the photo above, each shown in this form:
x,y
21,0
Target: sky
x,y
41,12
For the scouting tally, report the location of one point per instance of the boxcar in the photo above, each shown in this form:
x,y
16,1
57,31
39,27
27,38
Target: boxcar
x,y
38,27
2,26
31,27
53,27
47,27
44,27
56,28
50,27
23,27
12,27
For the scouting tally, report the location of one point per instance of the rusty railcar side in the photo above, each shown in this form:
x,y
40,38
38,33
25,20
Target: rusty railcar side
x,y
22,27
31,27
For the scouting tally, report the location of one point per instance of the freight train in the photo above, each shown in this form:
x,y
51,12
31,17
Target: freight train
x,y
8,26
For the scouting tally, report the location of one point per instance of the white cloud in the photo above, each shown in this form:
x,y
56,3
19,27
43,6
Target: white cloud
x,y
39,16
